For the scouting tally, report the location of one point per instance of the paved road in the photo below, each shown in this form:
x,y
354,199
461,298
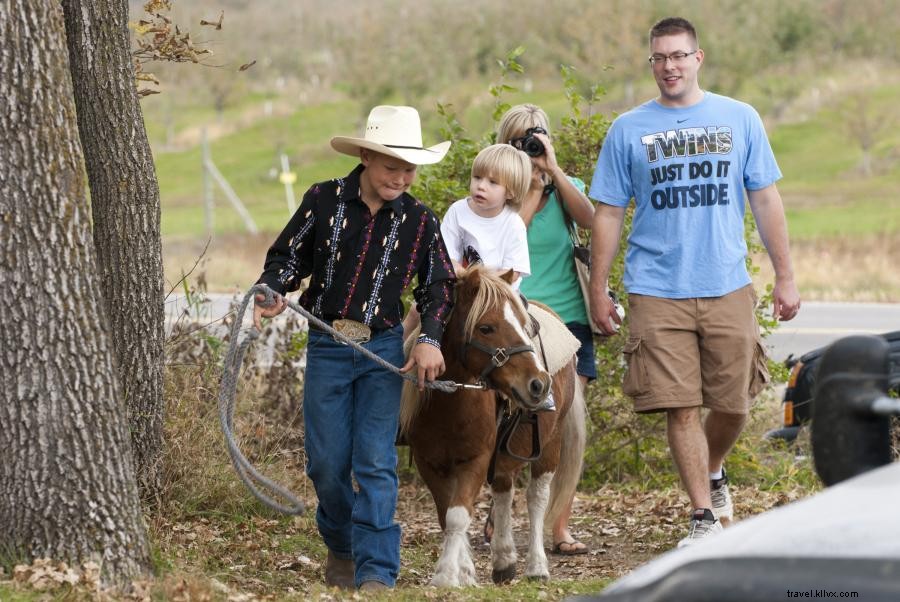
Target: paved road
x,y
820,323
213,308
817,324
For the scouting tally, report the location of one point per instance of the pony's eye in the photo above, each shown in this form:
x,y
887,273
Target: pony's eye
x,y
485,329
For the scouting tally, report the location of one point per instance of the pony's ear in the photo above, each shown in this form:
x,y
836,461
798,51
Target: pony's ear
x,y
509,276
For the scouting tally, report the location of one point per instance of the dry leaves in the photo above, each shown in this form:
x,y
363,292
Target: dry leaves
x,y
45,574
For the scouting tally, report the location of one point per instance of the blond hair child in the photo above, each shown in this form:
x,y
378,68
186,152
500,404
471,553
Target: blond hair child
x,y
485,226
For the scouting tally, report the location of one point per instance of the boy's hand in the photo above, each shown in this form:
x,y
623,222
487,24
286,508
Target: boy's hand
x,y
428,359
270,311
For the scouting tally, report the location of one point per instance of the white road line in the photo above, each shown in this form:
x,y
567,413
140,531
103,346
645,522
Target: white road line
x,y
801,331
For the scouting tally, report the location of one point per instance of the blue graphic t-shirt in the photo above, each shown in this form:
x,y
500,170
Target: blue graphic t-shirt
x,y
687,169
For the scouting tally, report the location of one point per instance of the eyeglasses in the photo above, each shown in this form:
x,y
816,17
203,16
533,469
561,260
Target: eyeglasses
x,y
676,57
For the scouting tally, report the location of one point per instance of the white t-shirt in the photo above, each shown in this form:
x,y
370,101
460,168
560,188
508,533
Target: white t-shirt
x,y
501,241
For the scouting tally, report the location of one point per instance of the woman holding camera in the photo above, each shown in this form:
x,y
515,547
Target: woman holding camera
x,y
552,199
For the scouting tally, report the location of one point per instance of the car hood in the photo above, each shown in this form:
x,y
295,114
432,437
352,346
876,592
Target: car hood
x,y
855,519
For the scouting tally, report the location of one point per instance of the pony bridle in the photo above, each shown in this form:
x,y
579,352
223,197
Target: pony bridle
x,y
499,357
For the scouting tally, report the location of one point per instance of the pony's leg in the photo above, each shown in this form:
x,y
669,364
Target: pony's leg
x,y
538,495
470,478
438,484
448,572
503,548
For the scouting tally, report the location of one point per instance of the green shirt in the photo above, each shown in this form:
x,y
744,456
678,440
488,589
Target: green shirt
x,y
553,281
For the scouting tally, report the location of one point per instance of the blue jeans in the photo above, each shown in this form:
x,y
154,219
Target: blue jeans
x,y
586,363
350,411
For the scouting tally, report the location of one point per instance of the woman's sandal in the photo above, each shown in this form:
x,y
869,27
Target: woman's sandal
x,y
489,524
569,548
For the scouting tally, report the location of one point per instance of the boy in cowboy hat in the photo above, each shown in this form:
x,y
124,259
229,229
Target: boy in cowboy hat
x,y
362,239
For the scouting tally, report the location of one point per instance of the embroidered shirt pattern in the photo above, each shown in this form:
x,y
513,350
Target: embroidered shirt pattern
x,y
372,304
358,263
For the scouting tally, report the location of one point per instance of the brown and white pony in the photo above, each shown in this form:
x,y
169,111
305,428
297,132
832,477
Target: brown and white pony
x,y
452,436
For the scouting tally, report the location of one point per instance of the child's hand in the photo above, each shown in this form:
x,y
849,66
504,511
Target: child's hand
x,y
427,360
259,311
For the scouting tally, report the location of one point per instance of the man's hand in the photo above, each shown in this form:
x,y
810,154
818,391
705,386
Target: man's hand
x,y
271,311
428,359
785,299
603,312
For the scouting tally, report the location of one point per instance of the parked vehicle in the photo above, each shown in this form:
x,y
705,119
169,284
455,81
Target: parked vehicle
x,y
797,403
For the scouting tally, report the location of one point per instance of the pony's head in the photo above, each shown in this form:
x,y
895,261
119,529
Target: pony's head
x,y
489,330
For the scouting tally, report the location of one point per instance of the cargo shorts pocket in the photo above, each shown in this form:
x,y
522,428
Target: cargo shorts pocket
x,y
636,383
759,370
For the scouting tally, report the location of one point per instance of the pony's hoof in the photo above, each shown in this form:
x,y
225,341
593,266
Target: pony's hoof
x,y
541,578
504,575
443,581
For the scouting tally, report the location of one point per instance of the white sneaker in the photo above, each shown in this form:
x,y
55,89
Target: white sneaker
x,y
703,524
722,507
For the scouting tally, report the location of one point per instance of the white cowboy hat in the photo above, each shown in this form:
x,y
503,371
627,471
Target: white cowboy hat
x,y
394,131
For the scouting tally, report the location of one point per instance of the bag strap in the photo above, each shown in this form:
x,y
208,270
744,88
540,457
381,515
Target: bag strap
x,y
570,223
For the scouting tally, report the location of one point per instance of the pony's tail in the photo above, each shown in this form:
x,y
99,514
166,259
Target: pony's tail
x,y
571,457
409,398
409,405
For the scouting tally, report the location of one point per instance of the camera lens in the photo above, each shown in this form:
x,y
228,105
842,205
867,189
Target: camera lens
x,y
533,147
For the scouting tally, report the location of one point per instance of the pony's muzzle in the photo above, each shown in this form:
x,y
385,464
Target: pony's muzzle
x,y
538,389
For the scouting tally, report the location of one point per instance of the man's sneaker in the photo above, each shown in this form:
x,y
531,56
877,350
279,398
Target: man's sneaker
x,y
703,524
548,405
721,498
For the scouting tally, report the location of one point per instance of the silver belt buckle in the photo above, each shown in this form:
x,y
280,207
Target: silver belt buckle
x,y
353,330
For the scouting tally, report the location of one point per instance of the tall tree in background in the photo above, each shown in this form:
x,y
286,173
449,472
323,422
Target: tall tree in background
x,y
126,215
67,487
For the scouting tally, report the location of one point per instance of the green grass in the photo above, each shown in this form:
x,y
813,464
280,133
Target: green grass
x,y
249,160
855,219
824,191
11,594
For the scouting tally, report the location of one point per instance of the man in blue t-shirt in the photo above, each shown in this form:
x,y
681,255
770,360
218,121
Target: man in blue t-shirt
x,y
686,159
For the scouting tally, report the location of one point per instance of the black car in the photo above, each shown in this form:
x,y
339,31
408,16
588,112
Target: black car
x,y
798,395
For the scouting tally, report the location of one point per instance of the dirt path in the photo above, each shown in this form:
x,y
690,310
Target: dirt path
x,y
622,528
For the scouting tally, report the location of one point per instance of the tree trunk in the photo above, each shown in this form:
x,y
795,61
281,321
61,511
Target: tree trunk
x,y
125,209
67,488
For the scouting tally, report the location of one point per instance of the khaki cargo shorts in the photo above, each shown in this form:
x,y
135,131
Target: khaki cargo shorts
x,y
694,352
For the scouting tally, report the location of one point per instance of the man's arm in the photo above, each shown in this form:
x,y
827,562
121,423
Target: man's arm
x,y
768,210
605,235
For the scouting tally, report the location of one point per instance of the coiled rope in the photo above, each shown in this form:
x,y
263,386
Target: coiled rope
x,y
252,478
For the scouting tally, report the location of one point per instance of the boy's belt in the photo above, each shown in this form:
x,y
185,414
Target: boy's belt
x,y
351,329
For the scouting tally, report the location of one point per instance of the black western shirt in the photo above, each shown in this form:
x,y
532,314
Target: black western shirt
x,y
360,263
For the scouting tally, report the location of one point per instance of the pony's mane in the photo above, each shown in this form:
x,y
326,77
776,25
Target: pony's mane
x,y
492,292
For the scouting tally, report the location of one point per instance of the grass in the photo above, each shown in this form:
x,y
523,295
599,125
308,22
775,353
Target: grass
x,y
827,199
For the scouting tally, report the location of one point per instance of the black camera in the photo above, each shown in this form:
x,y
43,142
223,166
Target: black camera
x,y
530,145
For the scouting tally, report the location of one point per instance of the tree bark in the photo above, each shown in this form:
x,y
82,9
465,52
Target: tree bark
x,y
126,214
67,488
